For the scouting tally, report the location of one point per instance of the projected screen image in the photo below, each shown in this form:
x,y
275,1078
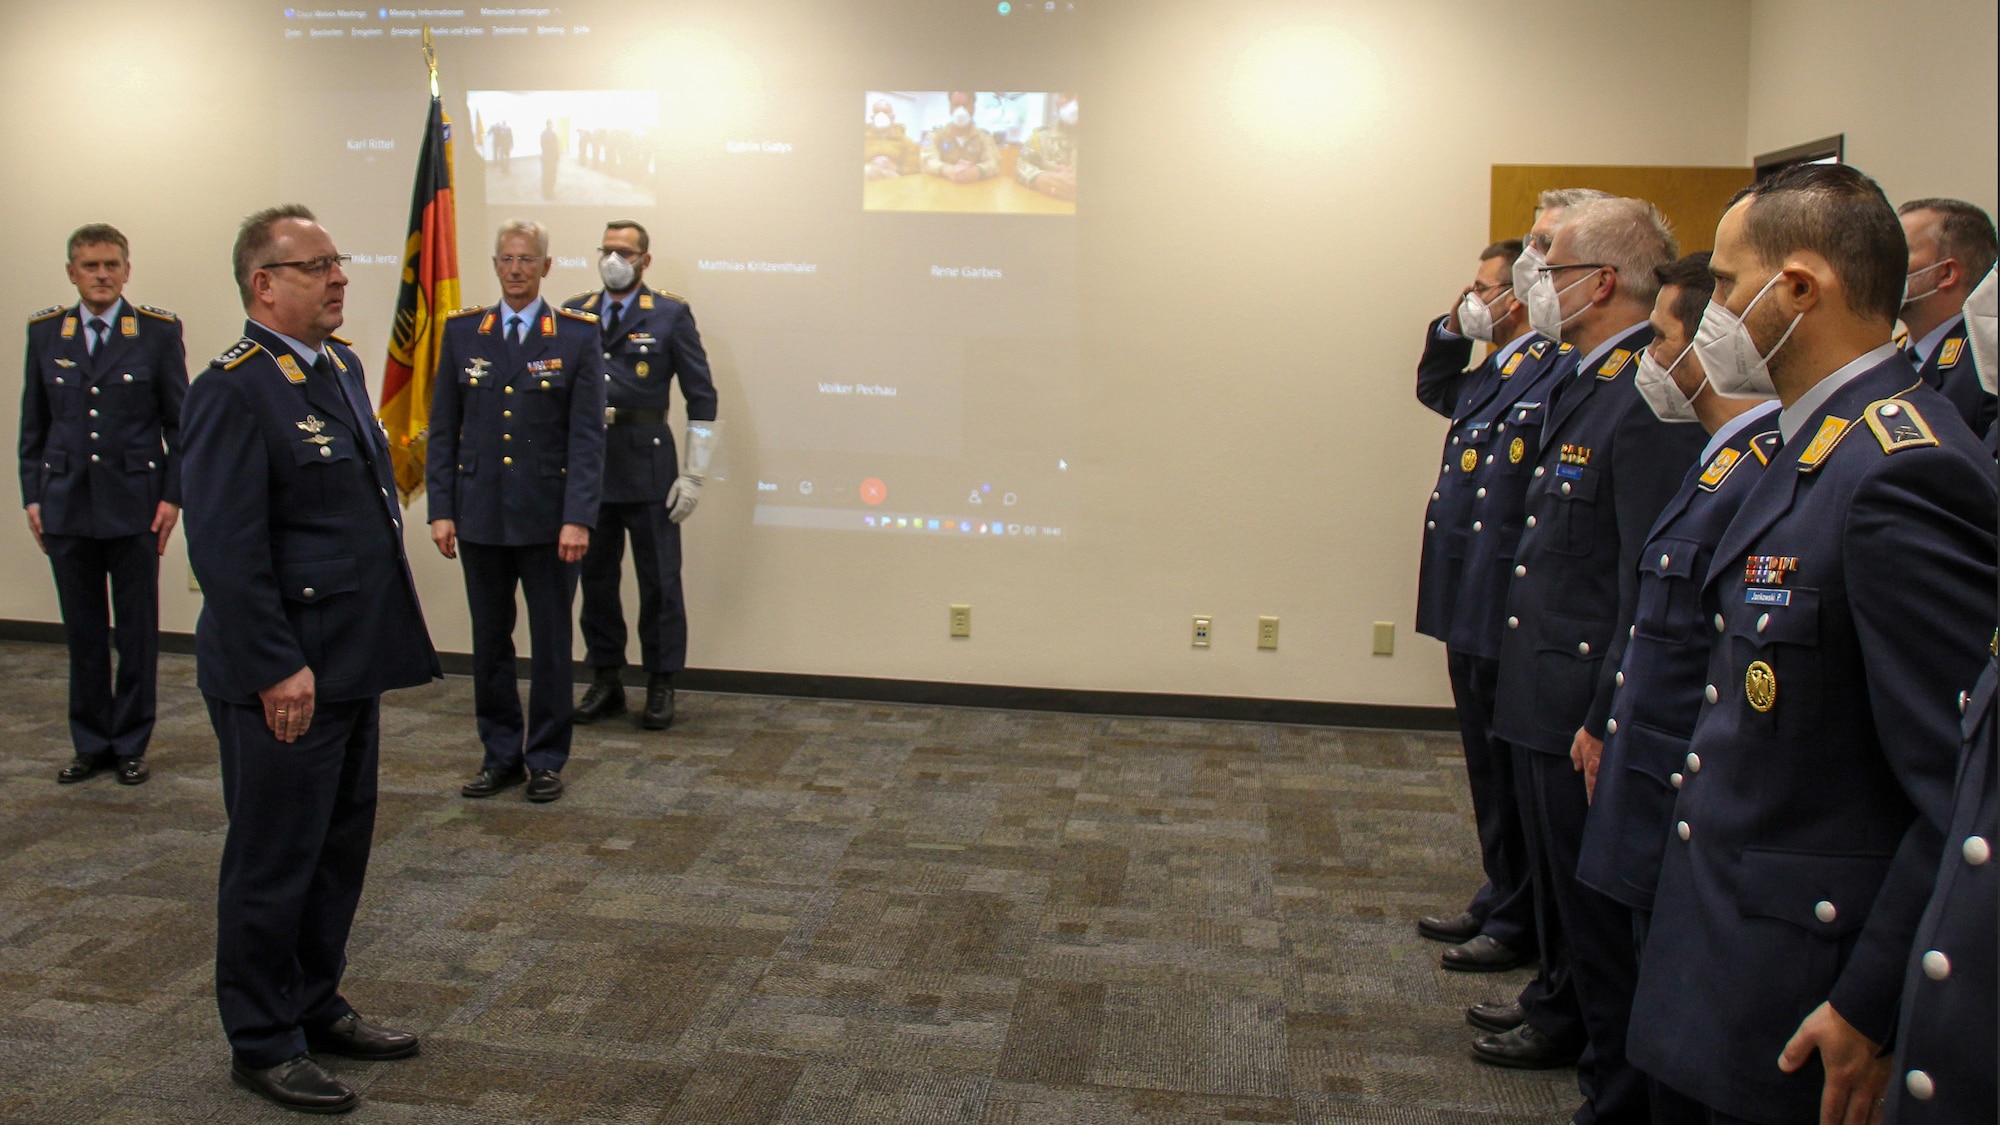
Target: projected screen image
x,y
1004,153
883,370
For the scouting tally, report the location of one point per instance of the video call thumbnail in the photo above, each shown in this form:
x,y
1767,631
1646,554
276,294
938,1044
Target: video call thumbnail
x,y
969,151
578,147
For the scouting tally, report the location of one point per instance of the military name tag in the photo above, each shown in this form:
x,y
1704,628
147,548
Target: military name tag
x,y
1516,450
1757,595
290,367
1760,686
1570,472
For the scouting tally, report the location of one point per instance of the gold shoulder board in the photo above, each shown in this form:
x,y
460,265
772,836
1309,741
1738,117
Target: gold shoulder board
x,y
157,311
466,311
1897,425
579,314
671,296
52,310
234,357
341,340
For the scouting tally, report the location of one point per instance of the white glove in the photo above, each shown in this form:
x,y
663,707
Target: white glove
x,y
686,492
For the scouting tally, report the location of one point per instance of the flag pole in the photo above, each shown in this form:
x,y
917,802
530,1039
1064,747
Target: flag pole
x,y
431,59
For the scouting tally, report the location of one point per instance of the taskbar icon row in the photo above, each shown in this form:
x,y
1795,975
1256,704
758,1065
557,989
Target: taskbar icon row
x,y
839,519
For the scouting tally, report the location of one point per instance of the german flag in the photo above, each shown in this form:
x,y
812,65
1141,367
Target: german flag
x,y
429,290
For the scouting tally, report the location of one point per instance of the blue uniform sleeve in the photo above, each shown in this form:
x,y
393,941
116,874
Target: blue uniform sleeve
x,y
691,368
1919,547
441,446
228,490
584,483
1649,460
1441,372
34,428
171,388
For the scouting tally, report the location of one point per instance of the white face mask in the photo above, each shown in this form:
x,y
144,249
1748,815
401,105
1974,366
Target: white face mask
x,y
1728,353
618,274
1656,385
1475,317
961,117
883,121
1067,114
1545,313
1525,266
1910,298
1982,331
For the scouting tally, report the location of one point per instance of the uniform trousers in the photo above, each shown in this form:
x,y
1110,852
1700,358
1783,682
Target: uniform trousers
x,y
656,561
109,715
492,575
1671,1107
1505,906
301,816
1592,952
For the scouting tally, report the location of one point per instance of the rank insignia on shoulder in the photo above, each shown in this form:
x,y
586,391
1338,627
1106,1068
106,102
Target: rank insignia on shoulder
x,y
69,327
1948,355
290,366
1718,470
1898,426
1513,362
646,301
1566,349
1539,348
1614,363
1516,449
1830,432
156,311
128,326
1574,454
234,357
1768,570
44,314
549,325
1766,445
466,311
589,299
341,340
674,297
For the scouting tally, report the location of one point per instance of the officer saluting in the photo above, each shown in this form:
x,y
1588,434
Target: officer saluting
x,y
294,531
101,482
1852,600
649,341
516,453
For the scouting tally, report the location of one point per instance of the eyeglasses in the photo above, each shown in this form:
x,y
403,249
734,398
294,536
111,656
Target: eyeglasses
x,y
624,252
313,267
519,260
1550,271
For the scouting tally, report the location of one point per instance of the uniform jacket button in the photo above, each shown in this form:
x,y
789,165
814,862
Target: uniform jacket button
x,y
1513,623
1917,1082
1618,680
308,591
1936,965
1611,726
1825,912
128,378
1676,780
325,452
1434,496
93,412
1976,850
93,435
1763,622
1962,696
97,390
1664,560
1481,494
1709,693
95,457
152,464
1454,439
1531,521
1520,572
1565,488
656,441
1539,470
1718,623
1683,829
1693,762
1477,526
1429,525
1489,460
1583,648
506,460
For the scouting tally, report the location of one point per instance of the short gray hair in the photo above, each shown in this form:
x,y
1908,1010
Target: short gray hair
x,y
254,240
529,227
1629,235
1562,199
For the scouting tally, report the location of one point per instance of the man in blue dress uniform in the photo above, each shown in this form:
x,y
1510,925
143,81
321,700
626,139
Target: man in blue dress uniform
x,y
1952,245
101,482
1852,601
514,473
649,340
295,534
1607,467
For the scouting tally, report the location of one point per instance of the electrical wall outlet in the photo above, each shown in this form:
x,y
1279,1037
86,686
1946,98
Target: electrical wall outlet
x,y
1267,633
961,621
1201,630
1385,638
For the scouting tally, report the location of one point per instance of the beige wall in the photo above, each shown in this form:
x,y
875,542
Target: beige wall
x,y
1254,297
1912,84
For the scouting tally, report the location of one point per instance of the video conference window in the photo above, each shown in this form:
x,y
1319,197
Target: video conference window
x,y
969,151
577,147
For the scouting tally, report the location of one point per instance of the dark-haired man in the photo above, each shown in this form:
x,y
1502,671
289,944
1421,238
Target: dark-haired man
x,y
101,482
959,150
1952,245
295,533
1852,601
649,340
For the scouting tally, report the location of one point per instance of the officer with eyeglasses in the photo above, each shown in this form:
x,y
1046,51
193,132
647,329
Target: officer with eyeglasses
x,y
296,536
650,341
101,483
515,475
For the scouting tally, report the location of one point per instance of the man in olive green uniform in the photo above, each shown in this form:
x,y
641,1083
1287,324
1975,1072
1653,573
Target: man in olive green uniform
x,y
958,150
1048,160
886,151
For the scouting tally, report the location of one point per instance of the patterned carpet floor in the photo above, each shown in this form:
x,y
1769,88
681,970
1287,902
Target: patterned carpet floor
x,y
787,911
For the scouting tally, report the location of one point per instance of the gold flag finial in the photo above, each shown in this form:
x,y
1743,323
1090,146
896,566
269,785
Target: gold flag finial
x,y
431,60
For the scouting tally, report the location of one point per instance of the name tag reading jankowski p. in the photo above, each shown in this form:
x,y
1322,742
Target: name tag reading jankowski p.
x,y
1759,595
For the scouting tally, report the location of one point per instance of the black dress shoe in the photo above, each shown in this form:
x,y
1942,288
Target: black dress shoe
x,y
659,714
80,768
133,771
1481,955
1523,1048
1451,931
485,783
604,699
544,786
1496,1017
352,1037
298,1084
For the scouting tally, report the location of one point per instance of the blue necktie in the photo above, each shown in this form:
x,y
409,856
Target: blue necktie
x,y
514,333
98,330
